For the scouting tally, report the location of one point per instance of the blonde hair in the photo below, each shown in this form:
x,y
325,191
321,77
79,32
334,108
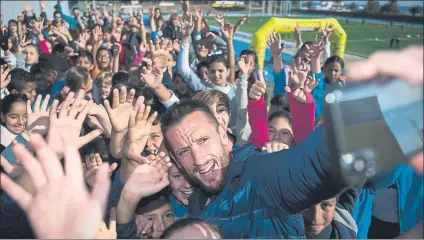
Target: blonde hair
x,y
104,77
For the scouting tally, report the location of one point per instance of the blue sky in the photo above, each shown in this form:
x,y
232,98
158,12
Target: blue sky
x,y
400,3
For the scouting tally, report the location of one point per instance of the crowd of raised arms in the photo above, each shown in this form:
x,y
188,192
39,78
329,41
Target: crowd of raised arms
x,y
141,125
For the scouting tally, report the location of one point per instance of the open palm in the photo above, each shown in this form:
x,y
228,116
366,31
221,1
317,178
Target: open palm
x,y
122,106
147,179
70,122
52,210
38,119
138,132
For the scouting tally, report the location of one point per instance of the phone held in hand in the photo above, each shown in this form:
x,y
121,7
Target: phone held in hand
x,y
373,126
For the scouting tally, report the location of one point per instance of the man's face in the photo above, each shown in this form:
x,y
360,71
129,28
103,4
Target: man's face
x,y
154,141
199,148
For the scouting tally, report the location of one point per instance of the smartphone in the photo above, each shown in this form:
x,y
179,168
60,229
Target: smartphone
x,y
373,126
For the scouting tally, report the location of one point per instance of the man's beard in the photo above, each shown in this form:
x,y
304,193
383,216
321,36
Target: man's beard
x,y
224,160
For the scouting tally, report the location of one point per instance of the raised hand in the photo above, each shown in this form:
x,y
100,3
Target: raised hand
x,y
23,43
38,119
5,78
187,27
298,73
42,6
61,208
144,227
153,78
116,34
69,122
92,164
108,233
275,44
185,5
97,32
227,30
240,23
327,31
198,13
139,127
310,83
119,113
244,64
147,179
219,18
314,52
298,33
298,94
27,7
258,89
161,55
272,147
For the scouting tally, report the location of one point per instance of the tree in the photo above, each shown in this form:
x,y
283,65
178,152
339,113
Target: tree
x,y
390,8
353,7
310,4
414,10
372,6
295,4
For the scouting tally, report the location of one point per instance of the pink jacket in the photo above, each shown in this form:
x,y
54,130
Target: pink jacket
x,y
303,119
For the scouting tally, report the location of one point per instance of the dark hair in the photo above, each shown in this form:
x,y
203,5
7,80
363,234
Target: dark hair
x,y
248,52
154,201
107,29
56,12
75,8
19,78
186,222
281,101
120,78
157,9
59,47
176,113
12,21
87,54
282,114
35,68
103,49
218,58
336,59
200,65
7,102
75,77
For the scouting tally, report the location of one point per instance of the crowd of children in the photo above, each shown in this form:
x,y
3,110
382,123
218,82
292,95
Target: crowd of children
x,y
174,136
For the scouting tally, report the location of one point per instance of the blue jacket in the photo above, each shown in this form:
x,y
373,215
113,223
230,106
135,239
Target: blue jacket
x,y
264,193
410,199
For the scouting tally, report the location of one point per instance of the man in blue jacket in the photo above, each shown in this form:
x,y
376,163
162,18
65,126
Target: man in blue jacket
x,y
246,193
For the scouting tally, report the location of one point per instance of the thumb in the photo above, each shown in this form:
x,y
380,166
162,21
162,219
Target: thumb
x,y
261,76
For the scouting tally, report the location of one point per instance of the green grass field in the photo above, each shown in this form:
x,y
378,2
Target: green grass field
x,y
360,39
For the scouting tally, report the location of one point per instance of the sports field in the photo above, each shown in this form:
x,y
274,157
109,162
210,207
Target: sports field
x,y
361,39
